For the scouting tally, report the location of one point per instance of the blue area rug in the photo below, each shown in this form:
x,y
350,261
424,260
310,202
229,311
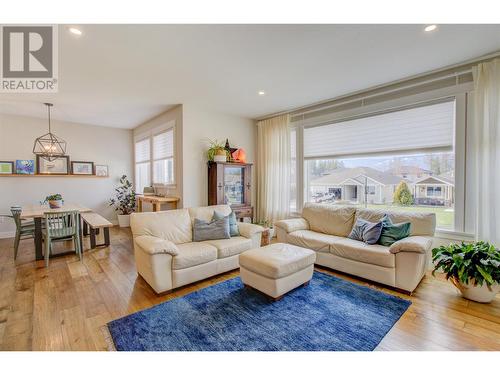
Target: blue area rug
x,y
329,314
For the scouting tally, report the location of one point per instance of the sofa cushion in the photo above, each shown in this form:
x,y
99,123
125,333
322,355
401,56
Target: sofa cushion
x,y
231,246
422,223
193,254
393,232
206,213
362,252
172,225
312,240
329,219
366,231
213,230
233,223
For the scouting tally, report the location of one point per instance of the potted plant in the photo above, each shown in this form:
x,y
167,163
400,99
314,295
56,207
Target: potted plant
x,y
268,234
216,151
124,201
474,268
54,200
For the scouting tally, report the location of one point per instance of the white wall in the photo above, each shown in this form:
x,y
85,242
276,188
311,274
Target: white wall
x,y
101,145
198,125
175,114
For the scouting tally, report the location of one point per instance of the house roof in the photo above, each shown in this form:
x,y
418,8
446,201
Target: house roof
x,y
342,175
435,180
409,169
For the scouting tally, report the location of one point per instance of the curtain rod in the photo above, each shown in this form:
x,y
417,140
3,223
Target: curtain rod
x,y
466,65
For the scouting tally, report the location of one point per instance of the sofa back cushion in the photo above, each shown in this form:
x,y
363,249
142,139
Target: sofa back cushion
x,y
422,223
172,225
207,212
329,219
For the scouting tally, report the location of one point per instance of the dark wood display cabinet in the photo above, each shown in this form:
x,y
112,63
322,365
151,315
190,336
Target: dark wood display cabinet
x,y
231,183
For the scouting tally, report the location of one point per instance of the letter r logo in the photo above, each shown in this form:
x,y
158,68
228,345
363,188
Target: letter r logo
x,y
27,52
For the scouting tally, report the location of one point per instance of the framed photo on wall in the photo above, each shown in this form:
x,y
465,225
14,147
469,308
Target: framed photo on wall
x,y
6,167
25,167
82,167
58,166
101,170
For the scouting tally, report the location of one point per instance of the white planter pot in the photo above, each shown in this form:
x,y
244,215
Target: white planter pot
x,y
272,232
124,221
483,294
220,158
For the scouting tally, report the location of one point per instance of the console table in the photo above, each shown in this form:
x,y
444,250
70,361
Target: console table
x,y
156,201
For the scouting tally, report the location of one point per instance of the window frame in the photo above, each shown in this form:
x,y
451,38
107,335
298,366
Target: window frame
x,y
150,134
459,93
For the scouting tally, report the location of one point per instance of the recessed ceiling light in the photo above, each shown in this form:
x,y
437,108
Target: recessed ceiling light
x,y
74,30
430,28
261,93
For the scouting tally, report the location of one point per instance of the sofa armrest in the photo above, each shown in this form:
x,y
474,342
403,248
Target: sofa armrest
x,y
154,245
291,225
248,230
412,244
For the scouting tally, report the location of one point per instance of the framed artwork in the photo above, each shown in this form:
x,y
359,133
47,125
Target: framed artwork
x,y
101,170
82,167
6,167
58,166
25,167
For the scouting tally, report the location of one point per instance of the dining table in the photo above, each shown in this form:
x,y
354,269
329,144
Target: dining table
x,y
37,211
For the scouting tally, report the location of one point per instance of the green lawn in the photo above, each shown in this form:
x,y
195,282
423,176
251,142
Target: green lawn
x,y
444,216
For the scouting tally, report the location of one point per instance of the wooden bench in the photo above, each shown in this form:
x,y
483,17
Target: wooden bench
x,y
95,222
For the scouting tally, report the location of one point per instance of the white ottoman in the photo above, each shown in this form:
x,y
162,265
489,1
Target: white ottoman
x,y
277,268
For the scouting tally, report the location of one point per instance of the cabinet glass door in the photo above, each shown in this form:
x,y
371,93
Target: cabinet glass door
x,y
233,185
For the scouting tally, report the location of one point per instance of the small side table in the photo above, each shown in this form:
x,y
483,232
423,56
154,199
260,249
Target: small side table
x,y
156,201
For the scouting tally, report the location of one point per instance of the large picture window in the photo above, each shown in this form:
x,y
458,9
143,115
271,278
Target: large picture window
x,y
154,158
402,160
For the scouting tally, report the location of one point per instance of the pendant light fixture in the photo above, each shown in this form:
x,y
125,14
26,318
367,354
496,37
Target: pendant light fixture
x,y
49,146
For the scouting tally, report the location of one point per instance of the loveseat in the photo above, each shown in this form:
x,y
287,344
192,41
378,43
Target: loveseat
x,y
324,228
166,256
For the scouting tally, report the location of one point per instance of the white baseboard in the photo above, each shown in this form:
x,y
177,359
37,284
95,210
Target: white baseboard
x,y
7,234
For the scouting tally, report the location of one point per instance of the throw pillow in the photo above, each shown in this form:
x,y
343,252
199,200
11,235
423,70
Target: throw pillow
x,y
366,231
233,224
393,232
213,230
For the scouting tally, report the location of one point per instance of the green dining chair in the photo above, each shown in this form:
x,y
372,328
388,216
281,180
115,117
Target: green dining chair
x,y
61,226
25,229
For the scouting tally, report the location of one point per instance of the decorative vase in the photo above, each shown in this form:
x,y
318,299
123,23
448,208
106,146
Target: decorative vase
x,y
56,203
265,239
482,294
124,221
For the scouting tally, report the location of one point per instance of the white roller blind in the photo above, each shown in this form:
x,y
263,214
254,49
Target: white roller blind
x,y
428,127
163,145
142,151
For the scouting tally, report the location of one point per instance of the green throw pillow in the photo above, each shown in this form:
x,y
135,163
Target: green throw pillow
x,y
393,232
233,224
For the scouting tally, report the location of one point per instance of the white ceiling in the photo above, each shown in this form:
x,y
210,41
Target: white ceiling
x,y
122,75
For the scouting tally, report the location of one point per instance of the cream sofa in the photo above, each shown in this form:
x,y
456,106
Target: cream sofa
x,y
324,229
166,256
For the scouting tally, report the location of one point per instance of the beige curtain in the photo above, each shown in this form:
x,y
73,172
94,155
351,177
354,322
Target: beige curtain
x,y
487,150
273,168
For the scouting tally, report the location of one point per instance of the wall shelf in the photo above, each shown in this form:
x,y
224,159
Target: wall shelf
x,y
52,175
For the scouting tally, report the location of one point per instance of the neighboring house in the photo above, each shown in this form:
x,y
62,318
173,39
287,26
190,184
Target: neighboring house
x,y
347,185
410,173
435,190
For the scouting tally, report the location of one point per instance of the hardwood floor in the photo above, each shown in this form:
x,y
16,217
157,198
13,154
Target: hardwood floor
x,y
63,307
